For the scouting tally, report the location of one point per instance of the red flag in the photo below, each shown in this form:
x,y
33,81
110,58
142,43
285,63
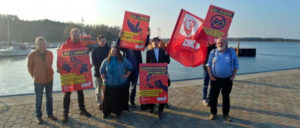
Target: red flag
x,y
134,31
188,43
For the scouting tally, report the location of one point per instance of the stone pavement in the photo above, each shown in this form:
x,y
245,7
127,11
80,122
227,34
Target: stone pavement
x,y
270,99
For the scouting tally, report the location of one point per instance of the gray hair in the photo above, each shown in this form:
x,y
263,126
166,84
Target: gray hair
x,y
37,39
223,40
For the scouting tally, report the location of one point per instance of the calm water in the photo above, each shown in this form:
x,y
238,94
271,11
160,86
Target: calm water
x,y
15,79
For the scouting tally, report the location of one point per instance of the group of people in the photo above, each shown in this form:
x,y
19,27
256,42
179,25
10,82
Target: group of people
x,y
116,76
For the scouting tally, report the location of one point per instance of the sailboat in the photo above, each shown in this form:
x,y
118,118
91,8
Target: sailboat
x,y
13,50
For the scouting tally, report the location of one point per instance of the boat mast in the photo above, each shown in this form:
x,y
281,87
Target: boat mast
x,y
82,23
8,33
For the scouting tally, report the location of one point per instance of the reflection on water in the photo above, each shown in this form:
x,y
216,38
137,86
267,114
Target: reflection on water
x,y
15,79
14,58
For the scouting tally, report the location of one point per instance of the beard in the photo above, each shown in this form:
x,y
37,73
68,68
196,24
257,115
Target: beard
x,y
222,48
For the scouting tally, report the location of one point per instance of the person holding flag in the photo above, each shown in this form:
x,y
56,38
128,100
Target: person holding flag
x,y
205,96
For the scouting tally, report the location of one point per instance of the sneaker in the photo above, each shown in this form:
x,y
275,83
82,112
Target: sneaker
x,y
66,118
85,113
212,116
227,118
52,117
205,102
39,121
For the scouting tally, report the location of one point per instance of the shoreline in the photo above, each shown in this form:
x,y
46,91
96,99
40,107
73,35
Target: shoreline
x,y
57,95
180,80
257,100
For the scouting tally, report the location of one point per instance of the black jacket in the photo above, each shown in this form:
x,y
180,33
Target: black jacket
x,y
137,53
162,57
209,49
98,55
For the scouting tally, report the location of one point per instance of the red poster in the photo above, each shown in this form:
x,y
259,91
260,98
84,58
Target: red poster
x,y
187,45
75,70
153,83
134,31
217,23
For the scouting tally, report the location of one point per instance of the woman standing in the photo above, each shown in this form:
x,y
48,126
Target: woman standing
x,y
115,71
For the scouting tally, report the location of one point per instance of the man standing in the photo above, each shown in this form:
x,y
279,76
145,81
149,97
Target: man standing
x,y
206,97
40,68
156,55
222,66
98,55
71,43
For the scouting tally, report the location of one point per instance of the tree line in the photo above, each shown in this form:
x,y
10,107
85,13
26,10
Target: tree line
x,y
53,31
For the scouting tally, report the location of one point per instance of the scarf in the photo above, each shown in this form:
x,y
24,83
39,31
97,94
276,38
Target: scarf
x,y
43,55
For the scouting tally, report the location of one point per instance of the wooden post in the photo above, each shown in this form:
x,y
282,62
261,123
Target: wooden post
x,y
237,48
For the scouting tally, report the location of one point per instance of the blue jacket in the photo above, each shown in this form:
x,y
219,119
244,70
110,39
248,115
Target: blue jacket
x,y
122,68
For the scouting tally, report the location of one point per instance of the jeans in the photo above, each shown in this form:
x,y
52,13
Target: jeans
x,y
98,90
216,86
206,81
133,82
67,101
39,88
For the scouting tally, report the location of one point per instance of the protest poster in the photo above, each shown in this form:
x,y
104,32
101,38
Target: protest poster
x,y
153,83
217,23
74,68
134,31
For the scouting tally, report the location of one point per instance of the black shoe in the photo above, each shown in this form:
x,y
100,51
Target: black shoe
x,y
85,113
39,121
160,115
132,106
118,115
104,116
66,118
52,117
152,110
167,106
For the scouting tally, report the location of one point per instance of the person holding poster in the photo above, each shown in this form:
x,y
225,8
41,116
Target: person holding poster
x,y
135,57
40,69
222,66
72,43
206,97
156,55
115,71
98,55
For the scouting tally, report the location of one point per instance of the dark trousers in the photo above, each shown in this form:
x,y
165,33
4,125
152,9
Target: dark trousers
x,y
151,106
133,82
224,85
67,101
205,86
